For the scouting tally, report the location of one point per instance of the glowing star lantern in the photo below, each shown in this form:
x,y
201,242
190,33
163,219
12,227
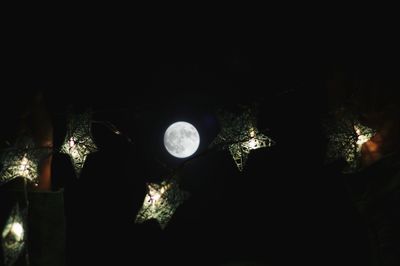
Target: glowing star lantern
x,y
13,236
161,202
22,161
78,143
240,135
346,138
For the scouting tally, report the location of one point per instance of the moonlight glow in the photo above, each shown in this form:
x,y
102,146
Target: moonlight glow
x,y
181,139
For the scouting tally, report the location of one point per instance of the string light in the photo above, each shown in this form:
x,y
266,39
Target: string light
x,y
345,140
78,143
22,161
13,236
160,202
240,135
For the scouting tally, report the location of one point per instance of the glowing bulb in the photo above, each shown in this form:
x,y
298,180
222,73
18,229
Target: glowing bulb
x,y
161,202
24,164
361,139
252,144
18,231
73,147
14,232
155,195
23,167
71,142
252,133
78,143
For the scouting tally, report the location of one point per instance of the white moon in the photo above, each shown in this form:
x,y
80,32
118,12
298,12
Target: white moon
x,y
181,139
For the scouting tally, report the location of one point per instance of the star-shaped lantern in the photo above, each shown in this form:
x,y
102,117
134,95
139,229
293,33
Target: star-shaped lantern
x,y
78,143
345,139
240,135
22,161
161,201
13,237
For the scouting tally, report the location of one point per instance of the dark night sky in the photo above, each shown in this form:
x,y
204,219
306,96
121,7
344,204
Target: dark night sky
x,y
285,207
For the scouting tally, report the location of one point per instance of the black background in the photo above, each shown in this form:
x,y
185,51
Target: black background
x,y
285,207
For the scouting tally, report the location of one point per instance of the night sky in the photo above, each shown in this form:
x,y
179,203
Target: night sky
x,y
285,207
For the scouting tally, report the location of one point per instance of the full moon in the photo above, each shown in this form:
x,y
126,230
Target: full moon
x,y
181,139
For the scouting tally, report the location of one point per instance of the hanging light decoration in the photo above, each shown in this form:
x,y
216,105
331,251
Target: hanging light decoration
x,y
240,135
22,161
345,139
161,201
13,237
78,143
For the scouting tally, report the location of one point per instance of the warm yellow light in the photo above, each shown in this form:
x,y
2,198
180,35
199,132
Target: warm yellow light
x,y
240,135
361,139
23,167
79,143
18,231
161,202
155,195
23,161
71,142
252,132
252,144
